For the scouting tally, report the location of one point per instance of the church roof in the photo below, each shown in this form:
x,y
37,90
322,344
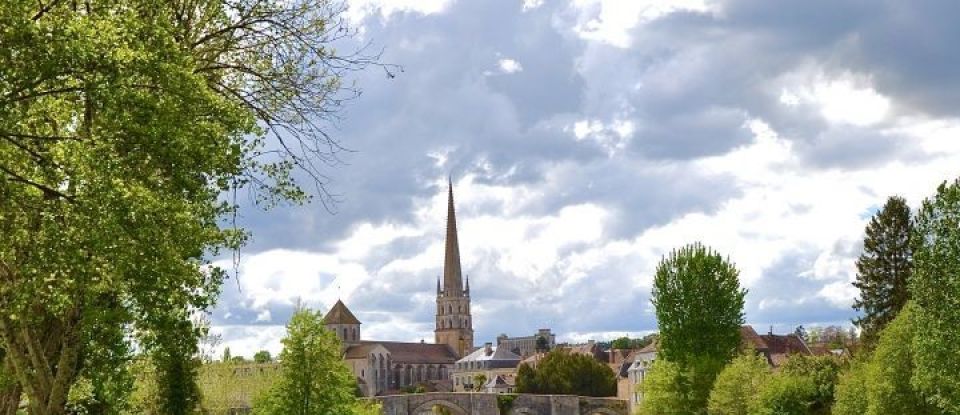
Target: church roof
x,y
340,314
401,352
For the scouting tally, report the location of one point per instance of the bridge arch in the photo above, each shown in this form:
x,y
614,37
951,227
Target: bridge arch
x,y
427,407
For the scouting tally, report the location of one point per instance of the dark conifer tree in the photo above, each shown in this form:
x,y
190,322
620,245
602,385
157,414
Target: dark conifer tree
x,y
884,269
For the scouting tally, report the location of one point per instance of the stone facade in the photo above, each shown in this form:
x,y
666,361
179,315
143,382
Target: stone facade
x,y
488,362
526,346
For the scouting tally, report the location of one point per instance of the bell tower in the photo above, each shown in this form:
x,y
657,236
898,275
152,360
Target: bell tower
x,y
454,322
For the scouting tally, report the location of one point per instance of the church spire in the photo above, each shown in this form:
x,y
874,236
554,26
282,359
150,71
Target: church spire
x,y
452,280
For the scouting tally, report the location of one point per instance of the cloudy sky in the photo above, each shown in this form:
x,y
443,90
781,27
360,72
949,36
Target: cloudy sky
x,y
586,138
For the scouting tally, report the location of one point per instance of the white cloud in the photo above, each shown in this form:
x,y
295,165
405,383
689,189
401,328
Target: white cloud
x,y
531,4
359,9
509,66
849,99
610,21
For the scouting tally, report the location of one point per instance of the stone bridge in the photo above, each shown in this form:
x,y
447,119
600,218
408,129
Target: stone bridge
x,y
465,403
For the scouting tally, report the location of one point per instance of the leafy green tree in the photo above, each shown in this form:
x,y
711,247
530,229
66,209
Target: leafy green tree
x,y
542,344
935,288
851,390
738,386
824,371
786,394
884,268
671,388
660,390
479,381
699,305
881,385
227,357
621,343
563,373
122,124
262,356
314,379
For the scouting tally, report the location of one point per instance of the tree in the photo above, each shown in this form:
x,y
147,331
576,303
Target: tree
x,y
786,394
851,391
661,391
563,373
621,343
227,357
699,305
738,386
542,344
888,388
935,288
314,379
479,381
823,371
122,125
884,268
262,356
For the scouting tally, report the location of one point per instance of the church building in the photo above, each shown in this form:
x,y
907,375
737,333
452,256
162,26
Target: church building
x,y
385,367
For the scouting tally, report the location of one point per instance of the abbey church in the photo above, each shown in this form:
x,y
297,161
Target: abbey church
x,y
384,367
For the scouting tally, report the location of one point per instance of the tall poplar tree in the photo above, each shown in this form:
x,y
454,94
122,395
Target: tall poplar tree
x,y
884,269
699,308
699,305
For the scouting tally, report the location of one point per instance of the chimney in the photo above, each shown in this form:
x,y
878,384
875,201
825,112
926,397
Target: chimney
x,y
488,348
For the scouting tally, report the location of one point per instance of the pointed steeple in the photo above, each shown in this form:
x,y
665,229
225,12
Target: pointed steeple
x,y
438,285
452,281
467,290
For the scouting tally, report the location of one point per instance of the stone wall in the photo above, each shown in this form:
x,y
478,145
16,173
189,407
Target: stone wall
x,y
488,404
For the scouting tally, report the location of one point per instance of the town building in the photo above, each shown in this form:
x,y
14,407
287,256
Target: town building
x,y
384,367
486,364
527,346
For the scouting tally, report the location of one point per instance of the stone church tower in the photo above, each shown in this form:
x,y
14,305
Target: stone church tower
x,y
454,323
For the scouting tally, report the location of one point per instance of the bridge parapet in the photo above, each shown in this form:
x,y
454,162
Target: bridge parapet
x,y
468,403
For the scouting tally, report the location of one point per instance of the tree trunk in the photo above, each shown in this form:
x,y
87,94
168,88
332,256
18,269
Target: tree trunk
x,y
10,400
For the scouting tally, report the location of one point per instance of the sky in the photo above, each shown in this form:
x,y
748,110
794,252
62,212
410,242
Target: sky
x,y
586,139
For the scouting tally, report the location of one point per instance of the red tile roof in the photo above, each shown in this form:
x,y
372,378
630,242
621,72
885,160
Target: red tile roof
x,y
405,352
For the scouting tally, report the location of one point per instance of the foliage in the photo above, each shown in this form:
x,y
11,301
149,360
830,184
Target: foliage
x,y
505,403
851,391
671,388
122,124
881,385
479,381
628,343
262,356
737,387
313,379
542,344
413,389
801,333
832,336
822,370
935,289
659,390
699,305
229,385
560,372
786,394
884,268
